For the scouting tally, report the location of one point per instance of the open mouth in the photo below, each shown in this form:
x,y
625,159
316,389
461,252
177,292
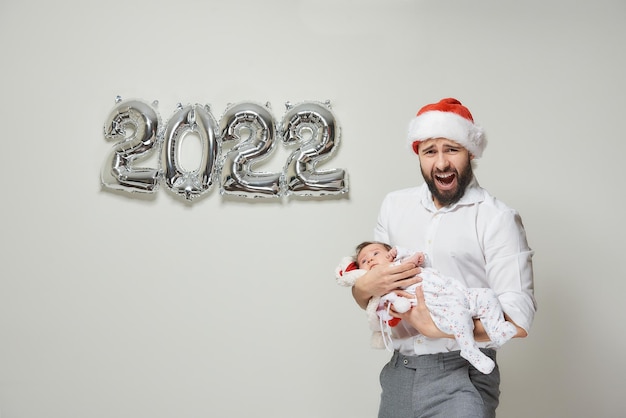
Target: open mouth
x,y
445,180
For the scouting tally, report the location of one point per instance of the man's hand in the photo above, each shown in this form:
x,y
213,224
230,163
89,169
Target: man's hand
x,y
419,316
383,279
521,332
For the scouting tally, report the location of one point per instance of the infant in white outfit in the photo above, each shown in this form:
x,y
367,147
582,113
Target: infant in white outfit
x,y
452,305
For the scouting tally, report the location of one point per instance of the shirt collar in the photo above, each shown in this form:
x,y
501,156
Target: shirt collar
x,y
473,194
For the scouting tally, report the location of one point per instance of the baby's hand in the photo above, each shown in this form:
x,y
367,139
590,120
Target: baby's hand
x,y
417,259
392,254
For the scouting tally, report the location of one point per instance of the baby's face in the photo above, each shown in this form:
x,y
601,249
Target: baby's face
x,y
371,256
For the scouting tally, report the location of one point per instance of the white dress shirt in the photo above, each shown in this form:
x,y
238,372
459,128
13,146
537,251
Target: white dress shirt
x,y
478,240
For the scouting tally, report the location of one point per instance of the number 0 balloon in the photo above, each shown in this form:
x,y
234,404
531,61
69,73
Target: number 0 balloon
x,y
189,119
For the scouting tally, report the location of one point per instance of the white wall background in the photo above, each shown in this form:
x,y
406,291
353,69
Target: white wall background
x,y
120,306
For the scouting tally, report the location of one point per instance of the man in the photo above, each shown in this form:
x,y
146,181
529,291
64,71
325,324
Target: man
x,y
468,235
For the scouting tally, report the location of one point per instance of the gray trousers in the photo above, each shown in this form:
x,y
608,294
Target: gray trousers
x,y
441,385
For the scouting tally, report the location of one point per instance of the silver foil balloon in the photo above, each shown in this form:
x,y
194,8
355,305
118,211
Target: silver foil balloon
x,y
190,119
252,126
312,126
137,142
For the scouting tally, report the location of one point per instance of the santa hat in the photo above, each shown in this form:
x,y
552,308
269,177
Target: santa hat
x,y
449,119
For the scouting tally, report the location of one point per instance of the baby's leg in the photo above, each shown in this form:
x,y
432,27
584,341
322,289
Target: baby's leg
x,y
458,321
485,305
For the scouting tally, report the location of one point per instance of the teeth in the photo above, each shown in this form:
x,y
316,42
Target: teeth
x,y
443,176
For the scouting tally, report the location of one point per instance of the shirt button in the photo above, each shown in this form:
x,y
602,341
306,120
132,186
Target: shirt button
x,y
405,361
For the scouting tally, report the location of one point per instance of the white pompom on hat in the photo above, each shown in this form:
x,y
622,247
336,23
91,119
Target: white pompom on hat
x,y
449,119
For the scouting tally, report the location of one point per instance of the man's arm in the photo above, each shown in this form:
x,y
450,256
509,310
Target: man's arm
x,y
481,335
419,317
509,268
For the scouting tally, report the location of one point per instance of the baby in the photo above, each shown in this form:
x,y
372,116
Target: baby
x,y
452,305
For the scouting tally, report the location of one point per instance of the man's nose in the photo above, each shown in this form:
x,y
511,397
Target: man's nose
x,y
442,161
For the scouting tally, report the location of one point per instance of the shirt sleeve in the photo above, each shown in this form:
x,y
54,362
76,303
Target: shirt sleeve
x,y
509,269
380,230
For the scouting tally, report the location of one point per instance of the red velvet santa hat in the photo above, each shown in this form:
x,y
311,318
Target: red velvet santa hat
x,y
449,119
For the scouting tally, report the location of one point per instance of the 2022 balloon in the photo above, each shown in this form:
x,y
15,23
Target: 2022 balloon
x,y
310,127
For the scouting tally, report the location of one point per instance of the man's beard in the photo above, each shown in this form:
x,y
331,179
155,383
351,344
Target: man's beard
x,y
449,197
